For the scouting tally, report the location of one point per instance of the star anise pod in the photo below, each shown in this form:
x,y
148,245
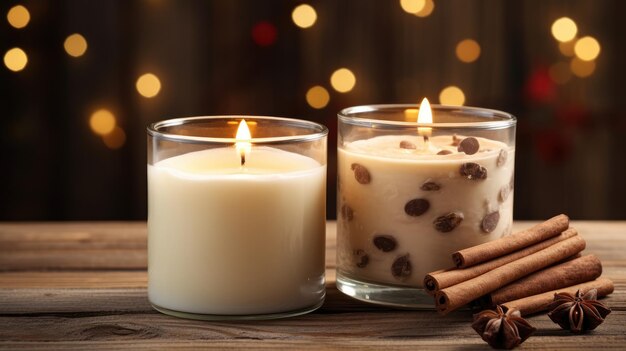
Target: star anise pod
x,y
502,328
579,312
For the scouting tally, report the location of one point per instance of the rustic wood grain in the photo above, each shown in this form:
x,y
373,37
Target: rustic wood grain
x,y
99,245
83,286
317,330
74,279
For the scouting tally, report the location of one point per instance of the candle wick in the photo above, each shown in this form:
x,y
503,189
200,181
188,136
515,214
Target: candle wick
x,y
243,159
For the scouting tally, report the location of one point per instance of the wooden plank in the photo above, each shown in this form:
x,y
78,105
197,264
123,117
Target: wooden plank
x,y
90,246
560,342
122,245
89,302
98,245
21,260
133,233
83,234
88,279
389,328
77,280
115,300
109,300
139,279
77,301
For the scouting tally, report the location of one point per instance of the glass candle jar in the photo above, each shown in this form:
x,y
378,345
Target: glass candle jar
x,y
236,217
410,194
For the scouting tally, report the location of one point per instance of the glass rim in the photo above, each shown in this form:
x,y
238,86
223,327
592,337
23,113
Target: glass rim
x,y
349,115
319,130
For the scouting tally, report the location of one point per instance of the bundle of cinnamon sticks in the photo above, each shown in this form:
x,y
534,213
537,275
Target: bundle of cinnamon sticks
x,y
522,270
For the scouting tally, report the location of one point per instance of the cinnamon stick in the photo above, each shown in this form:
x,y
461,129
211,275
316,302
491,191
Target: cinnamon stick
x,y
455,296
560,276
444,278
540,302
490,250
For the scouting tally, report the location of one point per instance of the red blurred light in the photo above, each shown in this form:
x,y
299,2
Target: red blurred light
x,y
264,33
552,147
573,115
539,86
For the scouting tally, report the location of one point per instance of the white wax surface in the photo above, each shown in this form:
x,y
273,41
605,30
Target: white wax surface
x,y
396,177
230,241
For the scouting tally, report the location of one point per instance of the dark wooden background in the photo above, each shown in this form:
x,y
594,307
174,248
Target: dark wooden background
x,y
570,146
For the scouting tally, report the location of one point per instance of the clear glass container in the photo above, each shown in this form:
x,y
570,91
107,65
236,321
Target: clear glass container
x,y
236,226
410,194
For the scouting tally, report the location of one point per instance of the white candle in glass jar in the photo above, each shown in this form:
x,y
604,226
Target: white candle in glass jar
x,y
227,239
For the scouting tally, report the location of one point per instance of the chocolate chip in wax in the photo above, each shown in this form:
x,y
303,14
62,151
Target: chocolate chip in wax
x,y
362,258
504,192
429,185
401,267
455,140
490,222
469,146
361,173
347,213
416,207
385,243
473,171
444,152
448,222
502,157
405,144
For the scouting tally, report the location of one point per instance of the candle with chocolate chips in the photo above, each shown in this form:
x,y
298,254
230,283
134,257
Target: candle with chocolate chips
x,y
410,193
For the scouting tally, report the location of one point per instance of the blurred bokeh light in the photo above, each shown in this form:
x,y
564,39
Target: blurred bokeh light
x,y
582,68
587,48
304,16
81,80
412,6
75,45
18,16
343,80
452,95
15,59
564,29
115,139
429,7
148,85
468,50
102,122
317,97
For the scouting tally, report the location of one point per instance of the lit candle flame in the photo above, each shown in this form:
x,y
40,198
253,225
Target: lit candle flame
x,y
425,115
243,144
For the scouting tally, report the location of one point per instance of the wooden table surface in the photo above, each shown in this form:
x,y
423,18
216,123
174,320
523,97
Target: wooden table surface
x,y
83,286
